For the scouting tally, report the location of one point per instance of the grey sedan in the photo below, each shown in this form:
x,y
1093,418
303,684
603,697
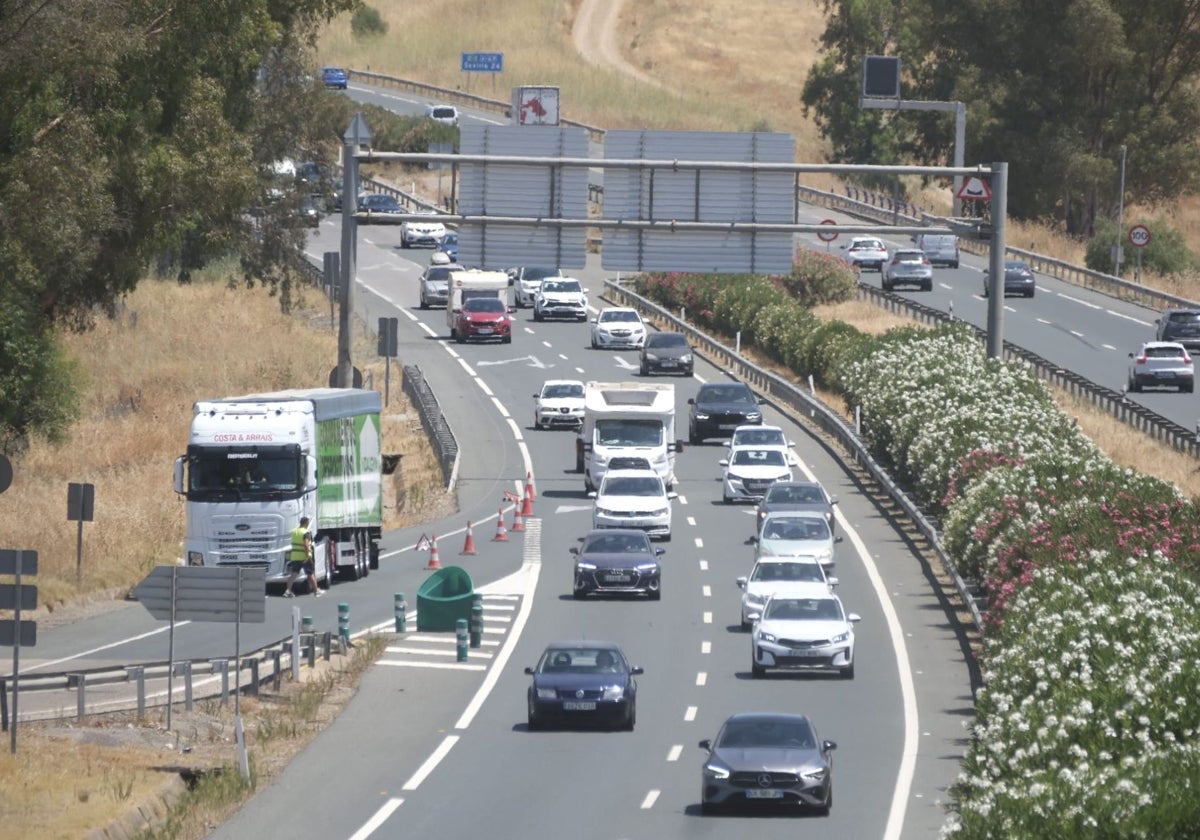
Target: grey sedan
x,y
908,267
767,759
796,495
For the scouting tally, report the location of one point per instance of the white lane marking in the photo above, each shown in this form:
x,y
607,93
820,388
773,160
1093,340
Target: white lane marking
x,y
377,819
525,454
27,668
1108,347
1080,302
411,315
430,331
516,430
437,666
682,499
1042,321
706,591
706,647
699,542
483,386
425,769
579,370
674,753
699,378
650,799
562,356
463,363
436,651
621,363
528,330
500,407
690,714
1133,318
1076,333
691,520
547,344
708,618
701,678
704,565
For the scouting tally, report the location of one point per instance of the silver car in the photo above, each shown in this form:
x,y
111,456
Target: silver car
x,y
767,759
908,267
803,633
1162,364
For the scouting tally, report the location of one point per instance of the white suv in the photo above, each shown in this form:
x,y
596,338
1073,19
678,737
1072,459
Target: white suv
x,y
527,281
867,252
560,297
633,499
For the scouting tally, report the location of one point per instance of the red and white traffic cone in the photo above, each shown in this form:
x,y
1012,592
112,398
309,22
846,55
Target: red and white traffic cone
x,y
434,562
527,502
518,522
469,543
529,491
501,531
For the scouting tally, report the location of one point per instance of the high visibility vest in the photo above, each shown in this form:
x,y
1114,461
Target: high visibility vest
x,y
298,552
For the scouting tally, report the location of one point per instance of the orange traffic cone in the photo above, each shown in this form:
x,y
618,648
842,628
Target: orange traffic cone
x,y
434,562
501,531
529,493
527,503
469,543
518,523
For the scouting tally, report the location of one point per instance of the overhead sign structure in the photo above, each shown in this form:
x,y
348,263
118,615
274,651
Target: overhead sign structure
x,y
483,62
1139,236
974,188
827,236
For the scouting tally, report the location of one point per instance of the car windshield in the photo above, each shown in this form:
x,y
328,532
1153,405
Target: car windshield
x,y
909,256
667,340
866,245
802,494
439,273
788,571
485,305
620,315
444,112
617,544
1184,317
803,609
629,432
758,436
750,734
758,458
562,391
451,238
640,485
582,661
1016,266
725,394
1161,352
796,528
376,201
561,286
539,273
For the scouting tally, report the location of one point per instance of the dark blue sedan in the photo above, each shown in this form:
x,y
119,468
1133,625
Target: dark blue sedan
x,y
334,78
449,245
1018,279
583,681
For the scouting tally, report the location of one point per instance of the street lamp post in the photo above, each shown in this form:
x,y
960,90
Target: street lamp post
x,y
1120,218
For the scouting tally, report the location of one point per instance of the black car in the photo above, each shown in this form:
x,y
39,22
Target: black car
x,y
618,561
666,352
583,681
1018,279
767,759
381,209
1181,326
796,495
719,408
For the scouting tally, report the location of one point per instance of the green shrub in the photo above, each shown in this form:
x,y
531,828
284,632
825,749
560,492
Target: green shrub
x,y
366,22
1167,252
818,277
740,298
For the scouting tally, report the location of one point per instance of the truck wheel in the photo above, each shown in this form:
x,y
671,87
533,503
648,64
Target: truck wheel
x,y
373,562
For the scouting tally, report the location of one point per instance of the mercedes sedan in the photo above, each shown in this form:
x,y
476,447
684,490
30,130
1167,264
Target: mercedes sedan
x,y
766,759
611,561
583,682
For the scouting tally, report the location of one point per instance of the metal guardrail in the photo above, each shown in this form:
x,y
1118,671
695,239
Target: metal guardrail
x,y
780,390
433,421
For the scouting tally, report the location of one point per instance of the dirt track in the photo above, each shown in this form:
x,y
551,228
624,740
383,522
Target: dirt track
x,y
595,37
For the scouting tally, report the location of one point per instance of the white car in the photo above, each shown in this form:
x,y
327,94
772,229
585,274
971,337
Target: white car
x,y
445,114
763,437
527,280
750,470
791,576
422,232
796,533
867,252
617,326
805,633
560,297
559,403
633,499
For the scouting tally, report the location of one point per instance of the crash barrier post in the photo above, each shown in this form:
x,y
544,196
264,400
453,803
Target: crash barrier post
x,y
221,666
460,633
344,622
401,607
477,620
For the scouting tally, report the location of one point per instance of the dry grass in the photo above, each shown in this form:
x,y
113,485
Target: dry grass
x,y
170,346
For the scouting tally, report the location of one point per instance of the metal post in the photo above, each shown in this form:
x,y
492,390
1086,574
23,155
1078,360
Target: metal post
x,y
3,705
80,697
254,679
476,625
461,638
188,696
138,674
995,322
171,646
401,607
960,141
344,622
296,627
221,666
1118,248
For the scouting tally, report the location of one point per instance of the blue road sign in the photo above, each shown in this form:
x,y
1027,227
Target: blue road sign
x,y
481,62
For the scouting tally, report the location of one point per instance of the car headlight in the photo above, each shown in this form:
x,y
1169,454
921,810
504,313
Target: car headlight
x,y
766,637
754,600
584,566
652,357
816,775
647,567
546,693
685,359
715,771
753,416
613,692
841,637
660,512
701,415
605,512
825,556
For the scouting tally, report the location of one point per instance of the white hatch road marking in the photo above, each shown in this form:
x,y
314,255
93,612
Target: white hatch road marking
x,y
377,819
682,499
621,363
437,666
691,520
689,714
571,508
650,799
414,781
674,753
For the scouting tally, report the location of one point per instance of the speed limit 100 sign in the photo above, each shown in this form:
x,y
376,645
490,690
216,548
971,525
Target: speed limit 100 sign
x,y
827,236
1139,236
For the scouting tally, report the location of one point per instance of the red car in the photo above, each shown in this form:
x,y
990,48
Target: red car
x,y
483,318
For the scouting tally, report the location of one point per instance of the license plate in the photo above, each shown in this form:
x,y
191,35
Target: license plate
x,y
1164,374
728,426
579,705
760,793
808,652
615,578
668,364
485,330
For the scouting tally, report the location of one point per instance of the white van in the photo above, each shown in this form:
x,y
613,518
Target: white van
x,y
939,248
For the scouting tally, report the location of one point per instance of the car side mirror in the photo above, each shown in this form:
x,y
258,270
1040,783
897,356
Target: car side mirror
x,y
724,462
833,500
854,617
706,744
637,670
691,401
593,321
591,494
659,551
837,539
528,670
573,549
741,582
512,309
832,581
761,401
826,746
535,396
791,444
754,539
671,494
1131,355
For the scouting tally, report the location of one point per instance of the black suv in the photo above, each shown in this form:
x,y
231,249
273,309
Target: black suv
x,y
1181,326
719,408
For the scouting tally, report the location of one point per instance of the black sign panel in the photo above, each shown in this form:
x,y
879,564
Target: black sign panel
x,y
388,337
881,77
9,634
10,594
9,559
81,502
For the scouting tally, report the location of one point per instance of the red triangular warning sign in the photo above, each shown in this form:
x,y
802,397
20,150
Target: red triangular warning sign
x,y
974,188
423,544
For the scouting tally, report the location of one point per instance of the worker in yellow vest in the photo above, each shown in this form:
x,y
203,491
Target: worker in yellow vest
x,y
300,559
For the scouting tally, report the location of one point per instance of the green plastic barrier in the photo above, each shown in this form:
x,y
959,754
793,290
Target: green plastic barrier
x,y
443,599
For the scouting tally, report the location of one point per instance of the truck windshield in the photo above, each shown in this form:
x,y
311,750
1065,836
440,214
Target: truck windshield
x,y
629,433
220,472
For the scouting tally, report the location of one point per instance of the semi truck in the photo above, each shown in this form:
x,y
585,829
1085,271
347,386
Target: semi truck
x,y
473,283
258,463
625,423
